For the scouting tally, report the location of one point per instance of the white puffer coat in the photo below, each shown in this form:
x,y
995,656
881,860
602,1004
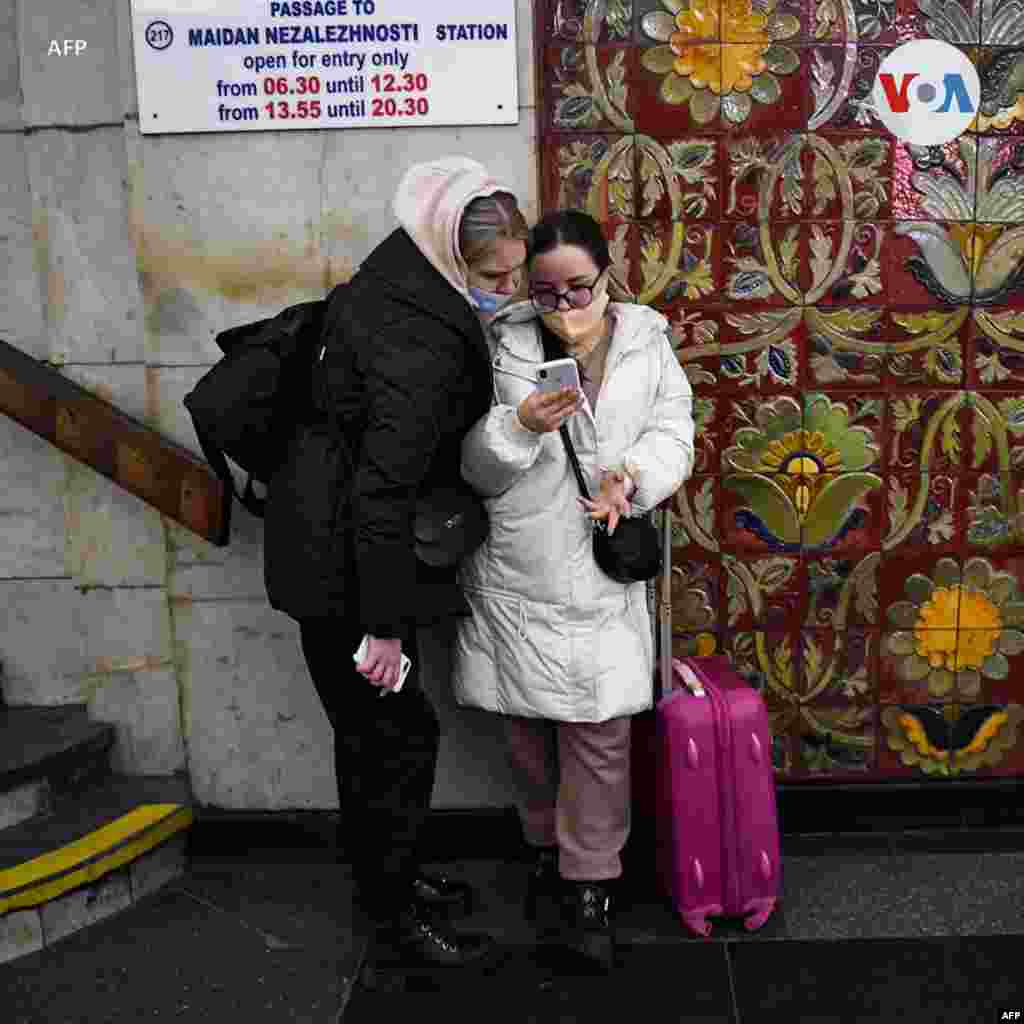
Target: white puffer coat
x,y
551,636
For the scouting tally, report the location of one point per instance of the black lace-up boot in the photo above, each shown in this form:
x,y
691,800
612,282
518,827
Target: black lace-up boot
x,y
416,947
592,935
443,895
543,894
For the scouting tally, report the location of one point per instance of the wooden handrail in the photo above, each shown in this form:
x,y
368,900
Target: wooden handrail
x,y
135,456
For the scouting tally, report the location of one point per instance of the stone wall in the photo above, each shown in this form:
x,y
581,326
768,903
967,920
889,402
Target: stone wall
x,y
125,254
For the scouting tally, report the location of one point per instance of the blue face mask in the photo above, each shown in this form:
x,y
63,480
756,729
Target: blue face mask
x,y
488,302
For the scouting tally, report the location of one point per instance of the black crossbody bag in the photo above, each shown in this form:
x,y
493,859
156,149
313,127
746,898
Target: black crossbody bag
x,y
633,552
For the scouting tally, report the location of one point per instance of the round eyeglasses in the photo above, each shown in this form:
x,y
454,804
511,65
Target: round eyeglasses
x,y
546,300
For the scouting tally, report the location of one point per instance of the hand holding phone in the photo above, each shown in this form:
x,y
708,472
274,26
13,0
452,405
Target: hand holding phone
x,y
406,664
557,374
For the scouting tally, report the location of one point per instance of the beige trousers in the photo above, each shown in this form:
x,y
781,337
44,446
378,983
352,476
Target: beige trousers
x,y
577,776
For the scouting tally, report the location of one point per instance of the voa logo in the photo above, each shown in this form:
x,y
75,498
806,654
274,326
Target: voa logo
x,y
926,92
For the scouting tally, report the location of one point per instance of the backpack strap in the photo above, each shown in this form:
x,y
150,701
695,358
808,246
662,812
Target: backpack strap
x,y
216,458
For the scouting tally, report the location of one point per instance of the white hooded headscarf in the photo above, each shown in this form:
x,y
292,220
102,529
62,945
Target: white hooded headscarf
x,y
429,203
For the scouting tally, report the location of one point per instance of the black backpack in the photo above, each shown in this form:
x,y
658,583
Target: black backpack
x,y
253,403
250,405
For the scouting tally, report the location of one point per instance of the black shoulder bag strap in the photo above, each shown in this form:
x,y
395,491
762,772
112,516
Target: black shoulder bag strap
x,y
552,350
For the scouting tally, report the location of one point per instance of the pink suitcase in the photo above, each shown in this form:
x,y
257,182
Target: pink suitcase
x,y
714,791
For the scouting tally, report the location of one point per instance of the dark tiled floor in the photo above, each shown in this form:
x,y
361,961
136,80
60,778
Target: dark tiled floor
x,y
899,937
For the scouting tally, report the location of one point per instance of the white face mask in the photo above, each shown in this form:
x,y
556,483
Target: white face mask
x,y
578,326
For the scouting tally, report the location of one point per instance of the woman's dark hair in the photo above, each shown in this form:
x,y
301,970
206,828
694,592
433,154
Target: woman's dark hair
x,y
569,227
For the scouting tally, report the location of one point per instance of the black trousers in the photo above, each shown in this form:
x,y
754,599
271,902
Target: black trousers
x,y
385,752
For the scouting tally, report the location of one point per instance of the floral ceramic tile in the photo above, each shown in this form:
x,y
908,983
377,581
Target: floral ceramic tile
x,y
851,176
917,665
927,264
744,517
793,484
838,668
1002,112
939,183
846,517
595,173
993,626
761,350
927,431
861,21
695,529
957,22
837,744
845,433
762,177
696,645
980,656
676,262
919,591
762,263
914,740
845,263
696,337
839,81
680,178
997,254
923,512
751,425
996,440
992,511
580,21
761,23
588,89
988,739
836,721
773,100
1001,25
770,660
996,349
734,58
846,347
762,592
926,347
675,93
842,592
697,595
677,24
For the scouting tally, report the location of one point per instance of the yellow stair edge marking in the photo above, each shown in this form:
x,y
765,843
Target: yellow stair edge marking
x,y
91,857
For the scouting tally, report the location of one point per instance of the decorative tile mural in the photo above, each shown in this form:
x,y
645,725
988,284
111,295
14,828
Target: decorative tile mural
x,y
850,312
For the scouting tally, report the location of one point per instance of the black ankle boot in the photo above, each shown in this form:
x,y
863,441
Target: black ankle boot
x,y
444,895
542,886
542,905
592,933
415,945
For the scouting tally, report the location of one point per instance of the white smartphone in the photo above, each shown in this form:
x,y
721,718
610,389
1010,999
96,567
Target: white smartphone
x,y
558,374
360,654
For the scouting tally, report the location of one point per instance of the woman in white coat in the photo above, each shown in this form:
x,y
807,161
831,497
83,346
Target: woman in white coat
x,y
556,646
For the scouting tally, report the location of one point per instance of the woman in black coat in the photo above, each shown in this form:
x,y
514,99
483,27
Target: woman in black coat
x,y
405,372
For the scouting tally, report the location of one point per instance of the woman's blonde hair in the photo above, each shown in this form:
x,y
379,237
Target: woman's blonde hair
x,y
487,220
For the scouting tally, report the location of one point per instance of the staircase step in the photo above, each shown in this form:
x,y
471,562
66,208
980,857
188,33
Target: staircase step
x,y
48,755
118,842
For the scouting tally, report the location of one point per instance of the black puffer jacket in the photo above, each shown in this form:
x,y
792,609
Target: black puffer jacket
x,y
406,373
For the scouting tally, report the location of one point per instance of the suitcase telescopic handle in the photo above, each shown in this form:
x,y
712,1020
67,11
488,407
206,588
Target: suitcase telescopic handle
x,y
668,663
693,684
